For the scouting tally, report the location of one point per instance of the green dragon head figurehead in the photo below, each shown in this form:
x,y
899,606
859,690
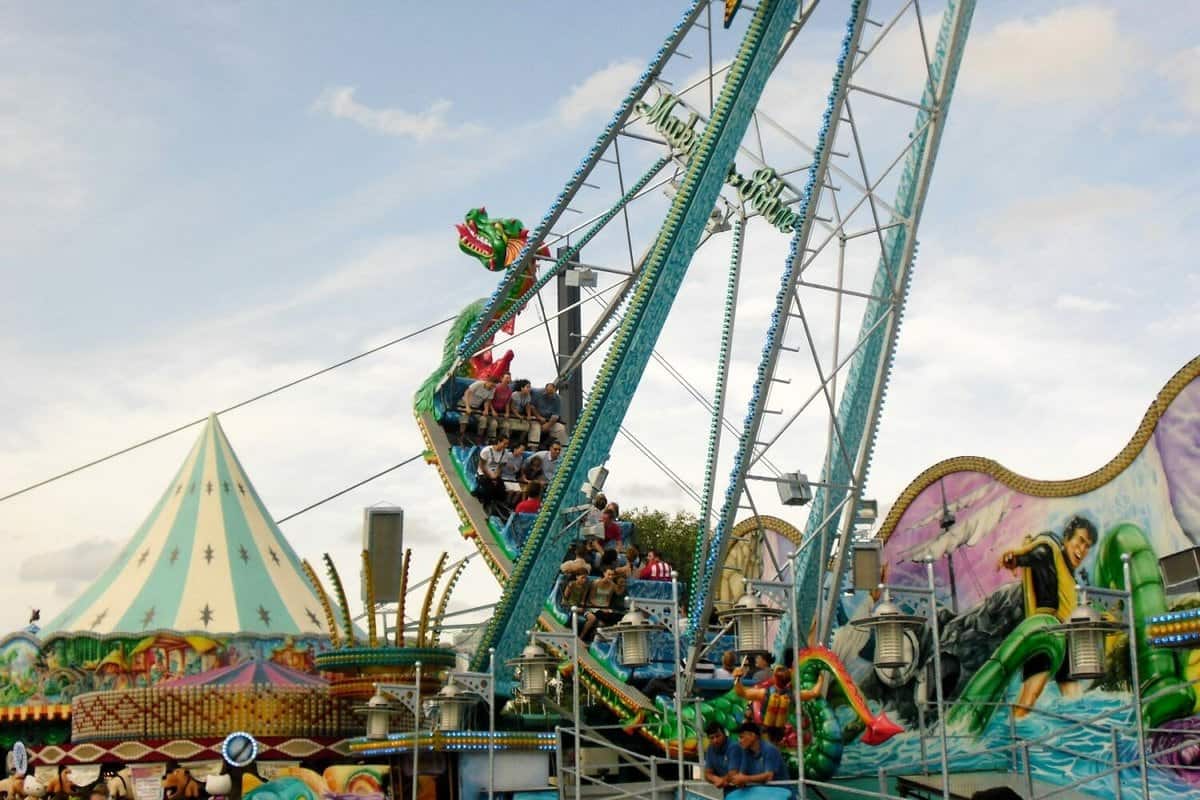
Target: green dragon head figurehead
x,y
495,242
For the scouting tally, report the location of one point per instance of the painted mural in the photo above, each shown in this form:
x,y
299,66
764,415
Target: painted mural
x,y
1009,553
33,672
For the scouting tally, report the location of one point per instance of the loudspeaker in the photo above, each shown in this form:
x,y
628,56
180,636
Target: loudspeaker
x,y
1181,571
867,565
383,539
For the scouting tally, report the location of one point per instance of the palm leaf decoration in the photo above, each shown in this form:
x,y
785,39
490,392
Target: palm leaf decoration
x,y
335,637
340,591
423,624
369,588
400,601
445,601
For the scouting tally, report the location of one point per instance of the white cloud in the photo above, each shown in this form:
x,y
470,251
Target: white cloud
x,y
1063,209
1075,56
599,92
1073,302
70,569
1182,72
339,102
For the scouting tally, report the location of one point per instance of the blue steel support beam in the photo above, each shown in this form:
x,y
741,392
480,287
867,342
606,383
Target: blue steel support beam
x,y
534,573
476,337
867,379
706,565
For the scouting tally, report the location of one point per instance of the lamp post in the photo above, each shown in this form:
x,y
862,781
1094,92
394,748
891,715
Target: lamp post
x,y
533,663
889,624
378,712
790,592
1086,633
464,689
633,650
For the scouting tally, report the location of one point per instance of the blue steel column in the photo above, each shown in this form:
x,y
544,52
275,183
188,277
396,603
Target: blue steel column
x,y
708,559
866,382
476,336
534,573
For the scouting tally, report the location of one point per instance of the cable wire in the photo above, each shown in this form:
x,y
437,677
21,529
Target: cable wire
x,y
233,407
336,495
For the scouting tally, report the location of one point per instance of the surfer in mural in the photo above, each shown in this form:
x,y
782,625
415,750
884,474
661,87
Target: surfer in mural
x,y
1049,587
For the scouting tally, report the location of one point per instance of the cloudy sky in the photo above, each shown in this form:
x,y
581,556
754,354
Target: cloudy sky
x,y
202,202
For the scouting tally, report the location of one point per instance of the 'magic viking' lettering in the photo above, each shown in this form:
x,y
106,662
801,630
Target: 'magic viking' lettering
x,y
761,191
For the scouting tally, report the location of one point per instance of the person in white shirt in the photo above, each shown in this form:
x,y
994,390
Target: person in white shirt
x,y
489,487
510,472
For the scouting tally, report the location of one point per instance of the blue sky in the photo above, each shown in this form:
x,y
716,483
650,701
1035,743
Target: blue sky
x,y
200,202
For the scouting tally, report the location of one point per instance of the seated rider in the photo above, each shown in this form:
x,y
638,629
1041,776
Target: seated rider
x,y
477,400
576,563
718,754
600,606
520,410
758,761
532,503
489,488
547,410
510,472
532,473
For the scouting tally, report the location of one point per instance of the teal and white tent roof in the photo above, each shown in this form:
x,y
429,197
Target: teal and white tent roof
x,y
209,558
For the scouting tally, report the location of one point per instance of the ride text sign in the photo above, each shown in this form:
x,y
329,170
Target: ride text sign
x,y
760,191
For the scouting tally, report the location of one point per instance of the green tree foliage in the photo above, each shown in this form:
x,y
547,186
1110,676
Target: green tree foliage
x,y
673,536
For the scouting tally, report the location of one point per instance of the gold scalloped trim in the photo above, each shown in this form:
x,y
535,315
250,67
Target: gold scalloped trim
x,y
1035,488
769,523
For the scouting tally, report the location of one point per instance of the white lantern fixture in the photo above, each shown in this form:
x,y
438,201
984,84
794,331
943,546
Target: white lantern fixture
x,y
1086,633
452,705
532,664
633,637
889,623
379,712
750,614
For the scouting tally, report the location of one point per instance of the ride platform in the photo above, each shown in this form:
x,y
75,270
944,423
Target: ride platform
x,y
963,785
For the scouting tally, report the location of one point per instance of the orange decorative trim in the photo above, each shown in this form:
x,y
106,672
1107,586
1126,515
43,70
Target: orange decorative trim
x,y
1035,488
35,713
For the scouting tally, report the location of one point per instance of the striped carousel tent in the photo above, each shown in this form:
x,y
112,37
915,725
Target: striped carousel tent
x,y
208,559
249,673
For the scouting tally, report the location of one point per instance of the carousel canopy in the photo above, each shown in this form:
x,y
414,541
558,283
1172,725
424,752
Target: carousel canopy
x,y
209,559
249,673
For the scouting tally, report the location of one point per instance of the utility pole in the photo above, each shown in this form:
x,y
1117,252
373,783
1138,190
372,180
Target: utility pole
x,y
569,332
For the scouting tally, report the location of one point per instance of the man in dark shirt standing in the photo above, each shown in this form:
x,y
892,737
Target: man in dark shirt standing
x,y
1049,581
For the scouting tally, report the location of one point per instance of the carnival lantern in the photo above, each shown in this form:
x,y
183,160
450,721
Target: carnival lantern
x,y
533,664
633,637
889,623
451,705
750,615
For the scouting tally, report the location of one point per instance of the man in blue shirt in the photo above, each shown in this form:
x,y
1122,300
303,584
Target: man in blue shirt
x,y
758,760
549,459
718,755
547,409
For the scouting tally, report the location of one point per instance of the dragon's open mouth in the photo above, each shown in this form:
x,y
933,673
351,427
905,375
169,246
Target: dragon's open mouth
x,y
468,237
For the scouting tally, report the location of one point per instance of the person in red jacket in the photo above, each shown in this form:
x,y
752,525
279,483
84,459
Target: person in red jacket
x,y
656,569
532,503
